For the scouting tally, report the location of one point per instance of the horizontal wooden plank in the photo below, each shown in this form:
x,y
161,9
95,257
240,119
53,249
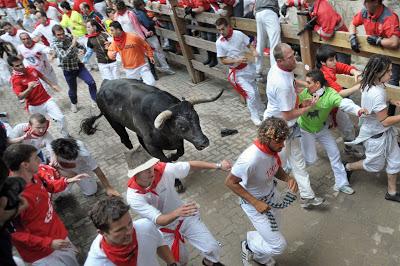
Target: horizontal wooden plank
x,y
166,33
220,72
200,43
200,28
174,57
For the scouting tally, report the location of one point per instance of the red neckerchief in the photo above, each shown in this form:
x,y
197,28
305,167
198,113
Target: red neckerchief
x,y
377,14
158,172
177,238
37,135
121,12
14,32
120,41
267,150
47,22
228,36
94,34
124,255
69,12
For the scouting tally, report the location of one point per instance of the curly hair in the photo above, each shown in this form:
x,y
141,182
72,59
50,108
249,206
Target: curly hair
x,y
273,129
107,211
374,70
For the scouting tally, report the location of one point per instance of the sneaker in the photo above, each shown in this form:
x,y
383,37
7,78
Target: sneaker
x,y
247,254
316,201
166,71
395,197
348,172
345,189
74,108
352,150
270,262
3,114
256,121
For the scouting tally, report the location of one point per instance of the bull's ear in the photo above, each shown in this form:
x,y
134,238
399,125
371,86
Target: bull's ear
x,y
162,118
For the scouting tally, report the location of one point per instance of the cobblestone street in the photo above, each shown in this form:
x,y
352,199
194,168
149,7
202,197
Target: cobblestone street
x,y
361,229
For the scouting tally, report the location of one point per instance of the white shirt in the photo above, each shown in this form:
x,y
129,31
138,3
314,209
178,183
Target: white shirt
x,y
15,40
148,238
38,142
235,47
45,31
257,170
151,206
84,163
36,57
281,93
53,13
126,23
374,99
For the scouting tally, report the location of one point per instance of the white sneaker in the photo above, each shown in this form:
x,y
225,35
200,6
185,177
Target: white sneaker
x,y
345,189
74,108
305,203
247,254
256,121
166,71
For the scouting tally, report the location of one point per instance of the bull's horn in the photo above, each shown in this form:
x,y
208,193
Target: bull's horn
x,y
206,100
161,118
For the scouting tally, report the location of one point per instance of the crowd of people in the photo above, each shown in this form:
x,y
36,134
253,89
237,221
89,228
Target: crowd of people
x,y
37,168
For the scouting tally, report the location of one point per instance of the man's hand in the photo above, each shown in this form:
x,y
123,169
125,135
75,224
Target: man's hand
x,y
241,60
33,84
292,185
185,210
74,41
110,191
56,88
374,40
152,60
261,206
355,45
357,75
226,165
107,44
395,102
29,135
149,34
362,112
81,52
58,244
76,178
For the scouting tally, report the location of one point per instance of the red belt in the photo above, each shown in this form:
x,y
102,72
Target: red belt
x,y
236,85
177,237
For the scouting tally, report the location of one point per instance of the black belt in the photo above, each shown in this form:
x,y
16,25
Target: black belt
x,y
377,136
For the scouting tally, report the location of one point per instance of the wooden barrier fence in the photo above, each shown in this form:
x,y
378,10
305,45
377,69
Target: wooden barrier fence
x,y
308,42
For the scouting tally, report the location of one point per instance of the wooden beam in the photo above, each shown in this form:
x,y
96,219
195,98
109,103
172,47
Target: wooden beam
x,y
200,43
220,72
175,57
306,44
180,29
170,34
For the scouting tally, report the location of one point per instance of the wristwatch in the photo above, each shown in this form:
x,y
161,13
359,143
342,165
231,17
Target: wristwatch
x,y
218,165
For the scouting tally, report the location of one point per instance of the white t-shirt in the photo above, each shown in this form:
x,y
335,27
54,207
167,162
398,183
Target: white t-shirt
x,y
148,238
38,143
15,40
235,47
151,206
281,93
373,99
52,13
84,163
126,23
36,57
45,31
257,170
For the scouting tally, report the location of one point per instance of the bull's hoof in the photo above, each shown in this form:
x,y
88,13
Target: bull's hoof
x,y
179,186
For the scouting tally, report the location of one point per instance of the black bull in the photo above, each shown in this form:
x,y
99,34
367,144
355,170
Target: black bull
x,y
160,120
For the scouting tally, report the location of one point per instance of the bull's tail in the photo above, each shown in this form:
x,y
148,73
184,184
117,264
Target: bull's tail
x,y
87,125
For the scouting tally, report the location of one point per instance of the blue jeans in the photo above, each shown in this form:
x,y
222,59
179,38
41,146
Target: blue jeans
x,y
71,78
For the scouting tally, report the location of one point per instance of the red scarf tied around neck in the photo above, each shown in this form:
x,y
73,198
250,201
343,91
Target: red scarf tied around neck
x,y
124,255
47,22
29,128
158,172
228,36
120,41
267,150
94,34
14,31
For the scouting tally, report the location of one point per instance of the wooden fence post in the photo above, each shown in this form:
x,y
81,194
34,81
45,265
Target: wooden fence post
x,y
180,29
306,42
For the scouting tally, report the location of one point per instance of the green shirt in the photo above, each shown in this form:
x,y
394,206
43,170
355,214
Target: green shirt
x,y
75,23
314,120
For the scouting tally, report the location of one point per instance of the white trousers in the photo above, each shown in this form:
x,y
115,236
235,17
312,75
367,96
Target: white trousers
x,y
109,71
101,8
4,74
268,30
51,75
197,234
64,257
246,79
292,153
325,138
87,185
264,242
51,109
382,151
142,72
14,14
158,52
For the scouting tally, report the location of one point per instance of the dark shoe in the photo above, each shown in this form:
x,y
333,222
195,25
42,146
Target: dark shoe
x,y
3,114
214,264
214,60
226,132
395,197
348,172
209,58
179,186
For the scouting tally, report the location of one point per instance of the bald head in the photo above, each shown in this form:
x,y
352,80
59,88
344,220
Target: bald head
x,y
284,56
